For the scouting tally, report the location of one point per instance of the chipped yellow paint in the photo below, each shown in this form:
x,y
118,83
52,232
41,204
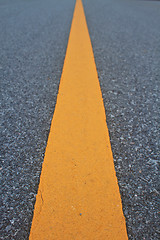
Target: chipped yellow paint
x,y
78,196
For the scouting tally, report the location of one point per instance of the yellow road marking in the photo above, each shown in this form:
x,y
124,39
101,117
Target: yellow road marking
x,y
78,196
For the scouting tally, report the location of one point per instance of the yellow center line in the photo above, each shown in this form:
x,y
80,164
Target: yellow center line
x,y
78,196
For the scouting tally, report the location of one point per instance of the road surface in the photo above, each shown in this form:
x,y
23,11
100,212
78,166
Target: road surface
x,y
126,43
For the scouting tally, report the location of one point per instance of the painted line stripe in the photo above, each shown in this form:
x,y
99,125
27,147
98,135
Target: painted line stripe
x,y
78,195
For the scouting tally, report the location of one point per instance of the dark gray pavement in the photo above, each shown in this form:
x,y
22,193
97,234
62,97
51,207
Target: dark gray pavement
x,y
33,41
126,41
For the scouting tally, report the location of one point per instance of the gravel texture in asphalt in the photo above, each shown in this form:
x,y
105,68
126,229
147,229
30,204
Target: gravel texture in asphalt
x,y
33,41
126,41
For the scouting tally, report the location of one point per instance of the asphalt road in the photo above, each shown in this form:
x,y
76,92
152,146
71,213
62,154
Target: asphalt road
x,y
126,44
33,41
